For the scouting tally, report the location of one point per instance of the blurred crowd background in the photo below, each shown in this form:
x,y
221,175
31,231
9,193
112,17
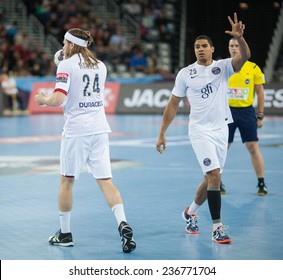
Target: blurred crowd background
x,y
138,38
21,55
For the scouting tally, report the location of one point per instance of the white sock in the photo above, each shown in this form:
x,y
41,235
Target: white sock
x,y
193,208
65,218
118,211
216,226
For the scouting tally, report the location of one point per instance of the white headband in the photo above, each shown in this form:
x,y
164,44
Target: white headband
x,y
75,40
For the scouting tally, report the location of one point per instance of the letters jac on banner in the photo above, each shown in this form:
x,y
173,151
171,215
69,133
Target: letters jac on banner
x,y
153,98
147,98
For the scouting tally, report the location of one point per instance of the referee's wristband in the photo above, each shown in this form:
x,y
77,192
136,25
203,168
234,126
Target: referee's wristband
x,y
260,116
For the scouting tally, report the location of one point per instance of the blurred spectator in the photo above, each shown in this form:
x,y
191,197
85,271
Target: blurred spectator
x,y
147,21
111,25
138,62
113,56
11,99
42,10
126,57
3,62
44,64
133,8
166,33
100,51
106,35
160,19
118,39
53,24
11,31
21,69
153,64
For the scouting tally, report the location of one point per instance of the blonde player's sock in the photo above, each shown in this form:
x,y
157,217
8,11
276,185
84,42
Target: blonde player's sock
x,y
65,218
119,213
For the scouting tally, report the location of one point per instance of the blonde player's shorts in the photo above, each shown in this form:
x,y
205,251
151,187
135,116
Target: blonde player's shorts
x,y
210,148
92,151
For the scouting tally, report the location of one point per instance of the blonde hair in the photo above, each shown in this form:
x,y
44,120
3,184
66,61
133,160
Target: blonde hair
x,y
89,58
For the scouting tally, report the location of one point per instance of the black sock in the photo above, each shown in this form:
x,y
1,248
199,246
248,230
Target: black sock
x,y
214,203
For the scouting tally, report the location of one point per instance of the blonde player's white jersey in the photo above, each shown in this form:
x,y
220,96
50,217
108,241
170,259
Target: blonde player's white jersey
x,y
84,88
206,89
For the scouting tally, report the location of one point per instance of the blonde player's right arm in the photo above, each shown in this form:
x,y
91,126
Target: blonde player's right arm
x,y
56,99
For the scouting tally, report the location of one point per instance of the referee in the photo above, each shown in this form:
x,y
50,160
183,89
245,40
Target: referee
x,y
241,89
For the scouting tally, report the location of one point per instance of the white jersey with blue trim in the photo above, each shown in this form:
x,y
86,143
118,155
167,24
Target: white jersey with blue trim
x,y
206,90
84,88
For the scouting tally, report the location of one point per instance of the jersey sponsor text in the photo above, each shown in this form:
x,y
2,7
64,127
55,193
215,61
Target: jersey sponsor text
x,y
90,104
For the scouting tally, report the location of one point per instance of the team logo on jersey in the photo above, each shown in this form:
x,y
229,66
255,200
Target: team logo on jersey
x,y
216,70
247,81
62,78
207,161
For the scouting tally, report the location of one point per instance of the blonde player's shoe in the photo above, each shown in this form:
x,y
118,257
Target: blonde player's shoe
x,y
126,234
219,236
191,222
262,190
61,239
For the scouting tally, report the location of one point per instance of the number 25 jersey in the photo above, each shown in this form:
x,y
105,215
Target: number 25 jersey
x,y
206,89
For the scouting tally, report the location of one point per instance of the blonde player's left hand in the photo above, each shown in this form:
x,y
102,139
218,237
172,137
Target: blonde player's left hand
x,y
39,98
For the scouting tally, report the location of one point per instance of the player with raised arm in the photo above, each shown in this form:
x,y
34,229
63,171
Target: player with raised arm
x,y
205,85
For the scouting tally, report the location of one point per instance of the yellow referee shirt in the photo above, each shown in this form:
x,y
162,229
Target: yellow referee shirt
x,y
241,85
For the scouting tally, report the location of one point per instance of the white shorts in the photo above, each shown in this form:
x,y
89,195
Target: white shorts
x,y
210,148
92,150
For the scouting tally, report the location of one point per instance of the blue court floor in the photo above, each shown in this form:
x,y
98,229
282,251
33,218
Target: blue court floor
x,y
156,189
